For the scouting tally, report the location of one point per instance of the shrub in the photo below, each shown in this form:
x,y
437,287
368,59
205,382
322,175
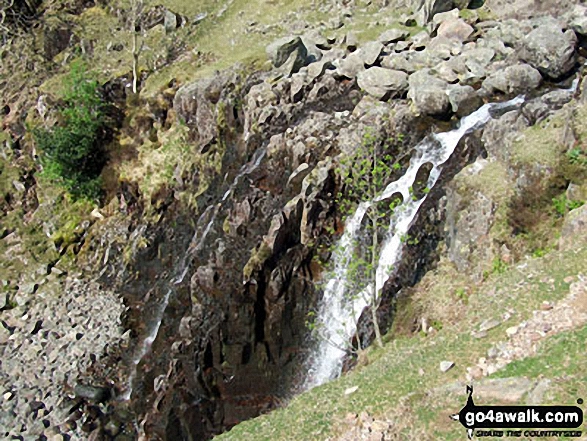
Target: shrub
x,y
72,152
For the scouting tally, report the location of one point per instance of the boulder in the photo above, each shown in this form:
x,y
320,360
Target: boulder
x,y
296,60
550,50
574,228
351,42
279,52
432,7
170,21
578,20
393,36
399,62
370,52
455,30
463,99
314,53
519,78
438,19
351,65
428,94
381,83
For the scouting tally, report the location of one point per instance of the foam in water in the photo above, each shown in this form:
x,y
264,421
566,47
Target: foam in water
x,y
339,312
203,227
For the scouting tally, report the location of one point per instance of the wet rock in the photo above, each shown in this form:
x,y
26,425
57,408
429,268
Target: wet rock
x,y
463,99
380,82
550,50
95,394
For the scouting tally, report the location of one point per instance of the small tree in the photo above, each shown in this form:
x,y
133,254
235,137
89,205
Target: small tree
x,y
364,175
72,152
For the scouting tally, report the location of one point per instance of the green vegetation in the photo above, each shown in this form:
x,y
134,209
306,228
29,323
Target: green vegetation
x,y
364,175
72,152
562,205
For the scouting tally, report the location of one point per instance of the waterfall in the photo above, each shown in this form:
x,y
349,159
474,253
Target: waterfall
x,y
203,227
338,311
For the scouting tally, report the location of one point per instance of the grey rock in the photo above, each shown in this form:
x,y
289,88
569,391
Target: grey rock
x,y
351,42
399,62
549,50
298,82
351,65
481,55
401,46
574,228
519,78
536,395
297,59
420,40
393,36
576,193
199,18
170,21
279,52
317,39
428,94
380,82
370,52
445,73
578,20
489,324
298,175
92,393
445,365
463,99
313,52
317,69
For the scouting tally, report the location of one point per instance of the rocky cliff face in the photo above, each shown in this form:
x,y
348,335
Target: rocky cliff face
x,y
216,264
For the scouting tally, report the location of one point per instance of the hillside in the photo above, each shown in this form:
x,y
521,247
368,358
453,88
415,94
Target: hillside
x,y
181,229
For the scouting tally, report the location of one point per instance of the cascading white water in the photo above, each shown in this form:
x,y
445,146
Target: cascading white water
x,y
203,227
338,312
